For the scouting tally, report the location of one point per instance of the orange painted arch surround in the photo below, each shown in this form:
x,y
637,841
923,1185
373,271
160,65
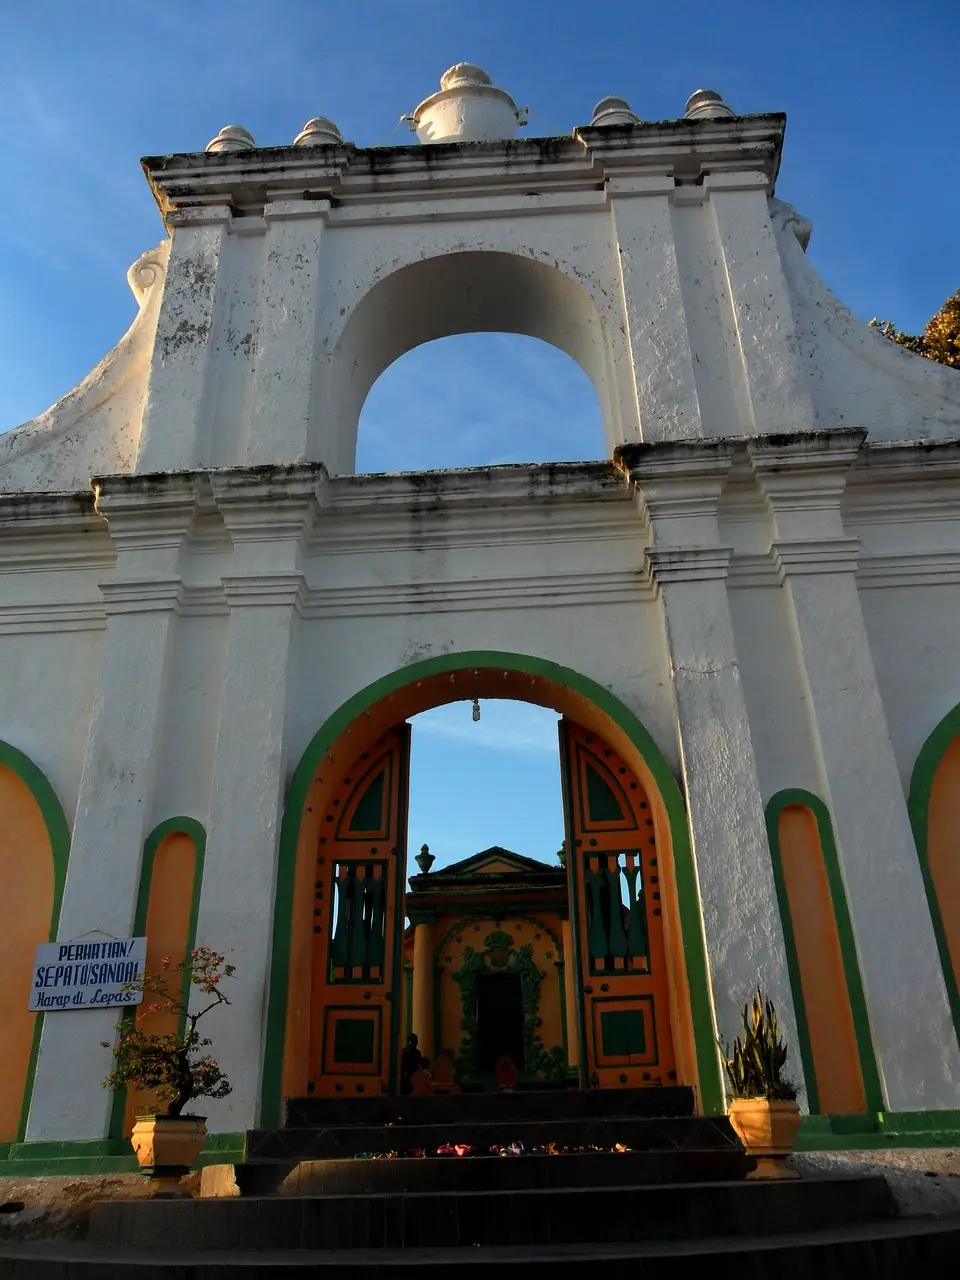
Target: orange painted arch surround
x,y
418,688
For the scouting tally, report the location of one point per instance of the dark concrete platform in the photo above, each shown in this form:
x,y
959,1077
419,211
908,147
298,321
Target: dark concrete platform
x,y
886,1250
480,1219
602,1169
638,1133
480,1108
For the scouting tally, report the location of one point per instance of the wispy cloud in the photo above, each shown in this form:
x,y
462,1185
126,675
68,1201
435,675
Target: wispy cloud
x,y
503,727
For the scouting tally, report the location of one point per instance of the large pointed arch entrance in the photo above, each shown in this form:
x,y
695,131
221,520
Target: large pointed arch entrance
x,y
662,994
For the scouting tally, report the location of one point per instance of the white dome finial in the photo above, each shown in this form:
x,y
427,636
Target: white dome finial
x,y
706,104
610,112
232,137
319,132
468,108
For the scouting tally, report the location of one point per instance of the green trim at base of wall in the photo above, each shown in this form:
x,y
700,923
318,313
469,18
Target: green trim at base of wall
x,y
880,1130
102,1156
685,874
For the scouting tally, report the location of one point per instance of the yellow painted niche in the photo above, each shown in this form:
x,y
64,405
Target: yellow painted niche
x,y
27,876
943,847
826,999
168,933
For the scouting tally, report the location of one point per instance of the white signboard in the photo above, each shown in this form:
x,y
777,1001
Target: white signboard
x,y
87,974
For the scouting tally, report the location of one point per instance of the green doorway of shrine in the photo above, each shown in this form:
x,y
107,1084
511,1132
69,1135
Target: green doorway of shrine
x,y
499,1021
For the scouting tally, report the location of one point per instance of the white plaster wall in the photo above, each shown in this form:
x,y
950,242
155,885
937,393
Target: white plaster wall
x,y
94,429
187,734
776,703
717,365
233,347
578,309
855,376
914,634
46,698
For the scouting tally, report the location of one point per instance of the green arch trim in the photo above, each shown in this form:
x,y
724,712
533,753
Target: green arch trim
x,y
58,831
918,807
869,1071
170,826
688,893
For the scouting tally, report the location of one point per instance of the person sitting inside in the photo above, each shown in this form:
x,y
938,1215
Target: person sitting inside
x,y
411,1061
507,1073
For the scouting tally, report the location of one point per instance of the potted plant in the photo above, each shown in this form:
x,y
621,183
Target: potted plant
x,y
763,1110
174,1067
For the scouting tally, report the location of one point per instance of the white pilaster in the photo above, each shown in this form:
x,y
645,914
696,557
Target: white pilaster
x,y
282,400
178,386
766,329
679,489
667,401
113,807
266,519
913,1034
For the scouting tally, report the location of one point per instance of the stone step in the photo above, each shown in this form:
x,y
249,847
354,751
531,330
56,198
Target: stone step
x,y
637,1133
483,1219
365,1177
878,1251
439,1108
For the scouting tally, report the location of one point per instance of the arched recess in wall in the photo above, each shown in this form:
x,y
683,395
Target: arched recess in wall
x,y
934,806
479,400
34,848
833,1028
168,900
471,292
389,701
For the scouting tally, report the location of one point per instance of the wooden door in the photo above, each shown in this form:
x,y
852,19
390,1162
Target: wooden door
x,y
619,964
358,924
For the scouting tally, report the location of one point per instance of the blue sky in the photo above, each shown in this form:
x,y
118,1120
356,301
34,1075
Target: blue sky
x,y
869,88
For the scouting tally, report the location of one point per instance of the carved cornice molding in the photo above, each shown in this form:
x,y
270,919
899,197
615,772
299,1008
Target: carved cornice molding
x,y
352,176
815,556
268,590
688,564
146,595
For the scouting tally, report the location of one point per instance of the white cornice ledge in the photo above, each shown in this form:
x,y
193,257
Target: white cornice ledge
x,y
806,451
143,595
815,555
268,590
688,564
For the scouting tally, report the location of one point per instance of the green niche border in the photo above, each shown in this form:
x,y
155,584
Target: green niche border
x,y
538,1060
918,807
170,826
872,1088
687,887
58,832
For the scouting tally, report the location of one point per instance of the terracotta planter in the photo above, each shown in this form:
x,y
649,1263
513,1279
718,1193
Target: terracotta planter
x,y
166,1146
768,1131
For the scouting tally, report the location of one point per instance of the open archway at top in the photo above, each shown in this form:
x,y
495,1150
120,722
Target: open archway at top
x,y
482,313
479,399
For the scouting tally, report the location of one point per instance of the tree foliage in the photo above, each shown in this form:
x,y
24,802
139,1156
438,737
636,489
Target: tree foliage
x,y
939,341
174,1067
